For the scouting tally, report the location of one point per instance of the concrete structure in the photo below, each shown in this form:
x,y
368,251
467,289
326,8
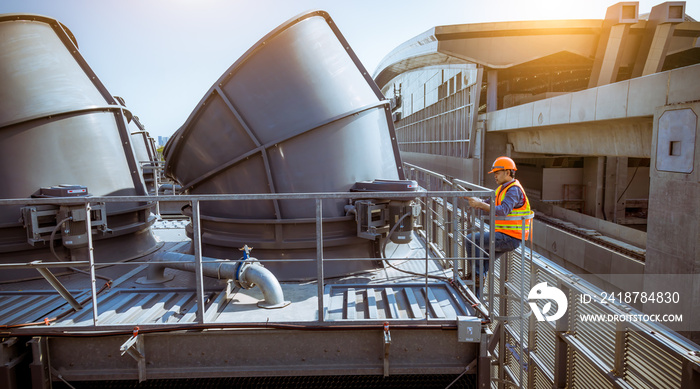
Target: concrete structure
x,y
599,115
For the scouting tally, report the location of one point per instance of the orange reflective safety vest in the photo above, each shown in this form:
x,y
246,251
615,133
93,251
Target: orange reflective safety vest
x,y
513,228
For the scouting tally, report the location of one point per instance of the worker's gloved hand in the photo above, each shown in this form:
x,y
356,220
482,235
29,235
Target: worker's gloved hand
x,y
474,202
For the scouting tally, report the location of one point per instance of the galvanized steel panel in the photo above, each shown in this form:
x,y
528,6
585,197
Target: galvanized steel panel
x,y
584,375
598,336
33,306
545,339
393,301
138,306
648,365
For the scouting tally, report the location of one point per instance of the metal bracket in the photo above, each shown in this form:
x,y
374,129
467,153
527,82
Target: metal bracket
x,y
40,221
135,348
57,285
495,337
387,343
371,219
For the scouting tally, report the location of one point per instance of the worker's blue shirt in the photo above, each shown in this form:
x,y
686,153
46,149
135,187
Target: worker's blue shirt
x,y
514,198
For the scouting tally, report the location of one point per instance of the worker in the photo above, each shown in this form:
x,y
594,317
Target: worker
x,y
510,201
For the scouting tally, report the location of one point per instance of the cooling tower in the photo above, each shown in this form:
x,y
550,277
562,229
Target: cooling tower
x,y
60,126
297,113
145,152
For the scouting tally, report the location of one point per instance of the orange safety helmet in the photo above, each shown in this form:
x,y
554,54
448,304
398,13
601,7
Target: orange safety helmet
x,y
503,163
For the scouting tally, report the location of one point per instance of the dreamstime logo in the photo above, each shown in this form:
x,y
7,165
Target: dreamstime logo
x,y
542,291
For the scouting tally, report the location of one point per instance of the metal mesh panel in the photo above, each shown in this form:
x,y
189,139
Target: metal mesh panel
x,y
543,276
599,337
514,308
541,380
494,374
584,375
496,285
515,361
441,128
649,366
545,338
514,277
395,381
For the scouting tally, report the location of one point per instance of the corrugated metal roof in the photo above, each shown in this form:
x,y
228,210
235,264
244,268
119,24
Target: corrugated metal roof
x,y
18,307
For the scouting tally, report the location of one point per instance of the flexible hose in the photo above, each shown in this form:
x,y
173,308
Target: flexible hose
x,y
391,232
385,259
53,236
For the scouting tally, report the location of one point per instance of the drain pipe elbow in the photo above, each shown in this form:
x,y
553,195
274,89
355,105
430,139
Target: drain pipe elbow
x,y
245,273
256,274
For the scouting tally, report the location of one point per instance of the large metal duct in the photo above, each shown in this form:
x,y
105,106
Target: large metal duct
x,y
297,113
145,151
59,125
146,155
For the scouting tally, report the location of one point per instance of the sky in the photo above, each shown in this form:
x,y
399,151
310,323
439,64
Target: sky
x,y
162,56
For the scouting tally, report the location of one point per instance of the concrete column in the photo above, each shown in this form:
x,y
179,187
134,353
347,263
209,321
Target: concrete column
x,y
659,48
492,91
658,33
673,231
615,183
610,65
609,188
593,179
613,39
620,189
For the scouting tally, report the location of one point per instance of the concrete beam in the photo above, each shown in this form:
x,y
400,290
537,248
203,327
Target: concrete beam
x,y
611,120
657,37
628,138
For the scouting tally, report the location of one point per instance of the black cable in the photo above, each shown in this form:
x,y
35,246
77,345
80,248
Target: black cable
x,y
628,184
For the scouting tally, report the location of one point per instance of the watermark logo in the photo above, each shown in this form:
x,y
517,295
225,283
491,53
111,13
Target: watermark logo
x,y
543,291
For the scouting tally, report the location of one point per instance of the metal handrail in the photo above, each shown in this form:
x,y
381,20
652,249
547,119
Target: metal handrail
x,y
196,223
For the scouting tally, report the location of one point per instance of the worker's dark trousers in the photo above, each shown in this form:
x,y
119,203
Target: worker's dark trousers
x,y
503,243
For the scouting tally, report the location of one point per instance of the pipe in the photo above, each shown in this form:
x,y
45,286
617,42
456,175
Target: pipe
x,y
256,274
245,274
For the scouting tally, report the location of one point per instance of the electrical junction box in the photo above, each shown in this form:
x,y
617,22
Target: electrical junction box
x,y
468,329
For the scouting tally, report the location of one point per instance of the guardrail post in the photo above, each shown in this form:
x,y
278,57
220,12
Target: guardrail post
x,y
319,258
523,297
455,238
91,258
197,240
428,229
445,229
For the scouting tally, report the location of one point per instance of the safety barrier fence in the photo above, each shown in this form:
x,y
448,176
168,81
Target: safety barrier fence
x,y
568,352
447,127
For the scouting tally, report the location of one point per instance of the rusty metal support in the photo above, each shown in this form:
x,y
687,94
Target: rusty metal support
x,y
40,366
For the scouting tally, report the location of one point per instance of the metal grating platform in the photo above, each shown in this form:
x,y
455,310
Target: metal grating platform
x,y
397,301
